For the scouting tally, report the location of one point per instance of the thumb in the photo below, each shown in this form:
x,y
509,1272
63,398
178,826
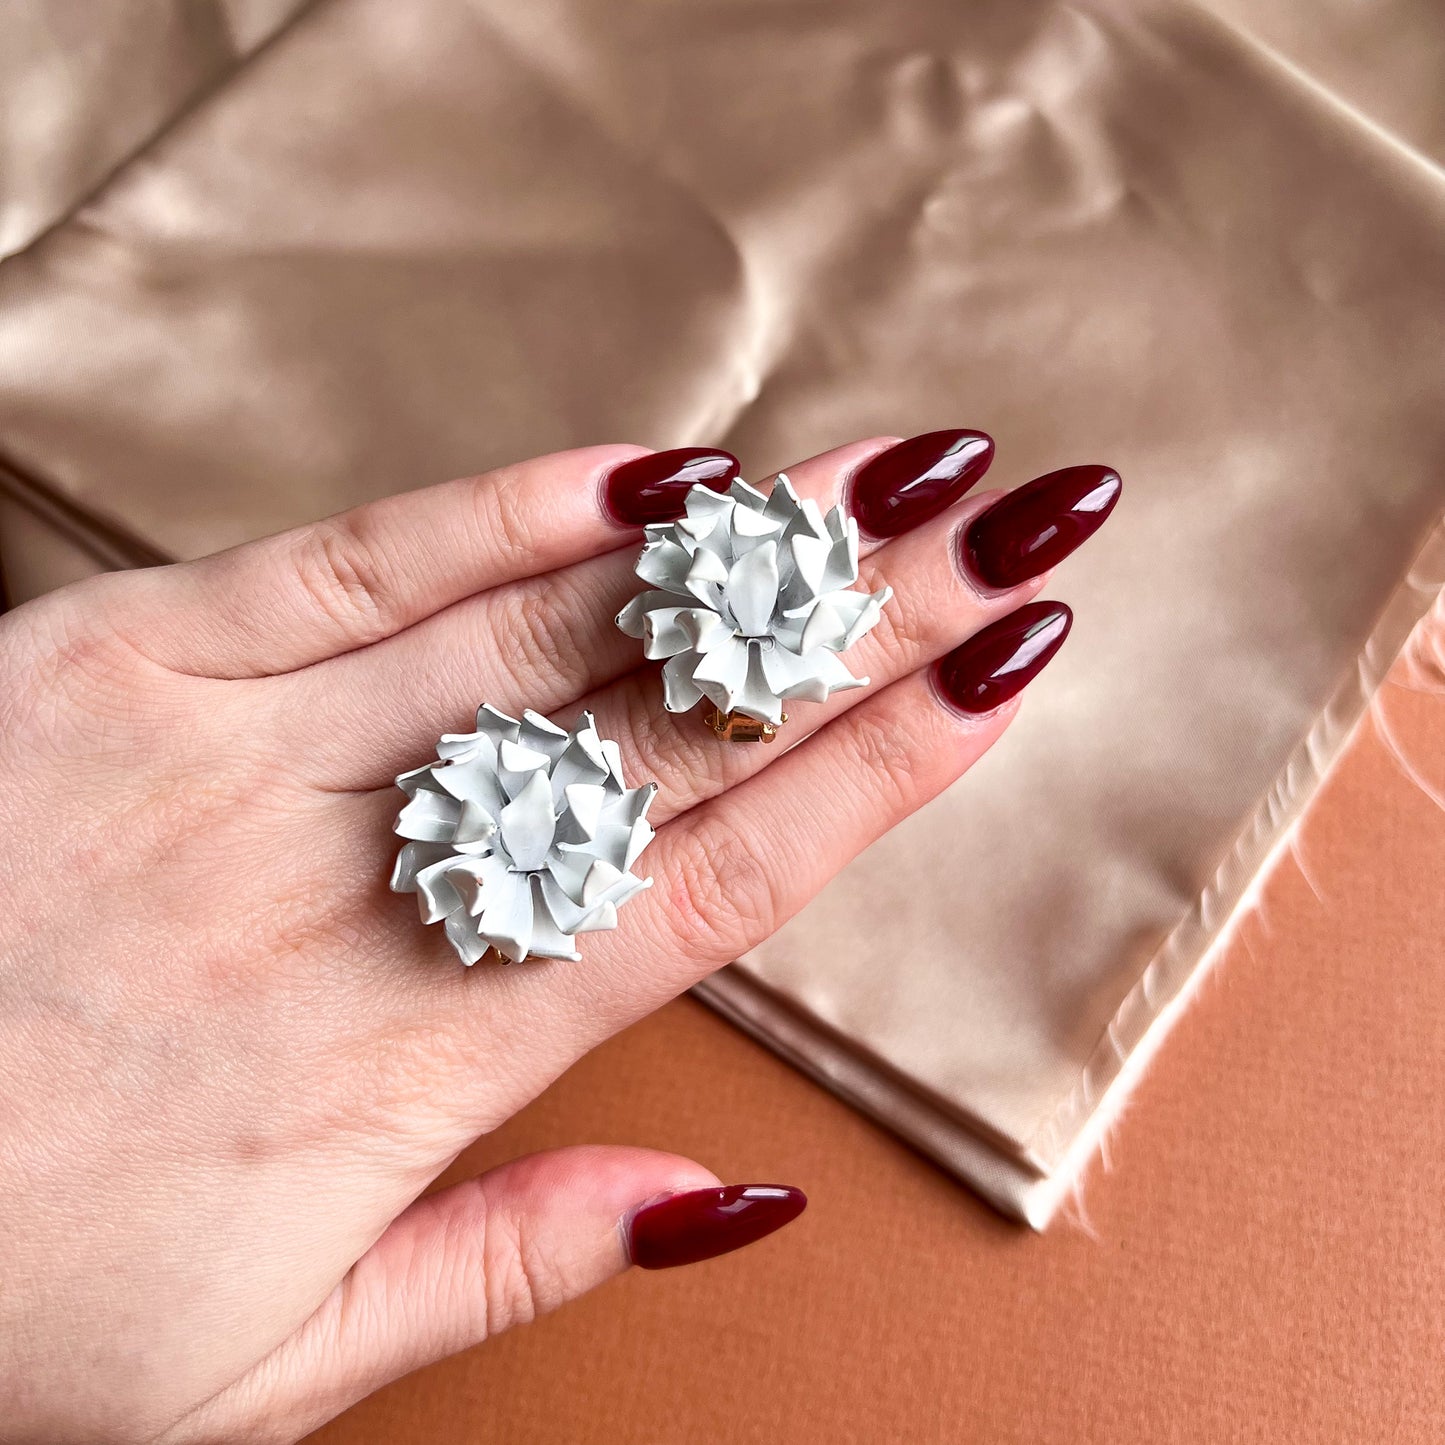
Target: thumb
x,y
468,1262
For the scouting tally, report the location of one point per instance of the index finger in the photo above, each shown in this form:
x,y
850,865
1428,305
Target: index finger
x,y
302,596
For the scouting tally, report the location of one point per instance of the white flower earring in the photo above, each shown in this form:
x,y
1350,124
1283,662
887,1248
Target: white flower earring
x,y
522,835
752,600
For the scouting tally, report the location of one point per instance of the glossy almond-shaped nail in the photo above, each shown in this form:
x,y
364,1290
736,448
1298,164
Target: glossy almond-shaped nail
x,y
707,1222
917,479
1038,524
998,662
653,488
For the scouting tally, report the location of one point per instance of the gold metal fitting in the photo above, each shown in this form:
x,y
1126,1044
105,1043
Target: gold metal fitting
x,y
738,727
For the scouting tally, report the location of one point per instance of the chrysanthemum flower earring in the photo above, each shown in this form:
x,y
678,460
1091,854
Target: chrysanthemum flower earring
x,y
751,601
522,835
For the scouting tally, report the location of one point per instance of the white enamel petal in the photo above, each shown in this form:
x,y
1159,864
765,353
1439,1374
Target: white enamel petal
x,y
584,809
631,805
476,824
631,618
810,558
474,781
869,613
706,567
411,860
752,589
616,782
514,758
462,747
517,767
721,673
664,564
842,566
610,844
417,779
747,525
703,628
638,837
600,879
679,691
810,522
528,823
542,735
704,502
435,895
496,725
467,877
565,912
747,496
698,528
506,917
789,675
782,504
463,936
606,884
599,920
756,698
663,633
826,626
829,670
548,940
429,818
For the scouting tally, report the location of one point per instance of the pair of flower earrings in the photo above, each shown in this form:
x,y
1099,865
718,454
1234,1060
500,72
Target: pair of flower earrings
x,y
522,835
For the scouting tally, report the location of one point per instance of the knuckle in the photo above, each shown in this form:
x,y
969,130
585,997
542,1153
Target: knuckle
x,y
685,769
338,572
547,648
521,1281
509,521
883,762
68,679
909,622
724,894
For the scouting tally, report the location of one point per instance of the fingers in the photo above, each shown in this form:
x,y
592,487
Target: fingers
x,y
936,604
732,871
278,604
464,1264
542,643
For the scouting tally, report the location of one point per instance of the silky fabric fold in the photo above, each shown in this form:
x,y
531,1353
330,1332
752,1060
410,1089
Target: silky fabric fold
x,y
395,244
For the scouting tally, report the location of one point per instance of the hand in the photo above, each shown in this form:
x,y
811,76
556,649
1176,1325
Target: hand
x,y
231,1061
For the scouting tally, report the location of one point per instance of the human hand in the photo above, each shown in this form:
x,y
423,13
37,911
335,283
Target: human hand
x,y
231,1061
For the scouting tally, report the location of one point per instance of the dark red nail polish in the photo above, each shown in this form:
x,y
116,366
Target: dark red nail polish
x,y
709,1222
653,488
1038,524
1001,660
917,479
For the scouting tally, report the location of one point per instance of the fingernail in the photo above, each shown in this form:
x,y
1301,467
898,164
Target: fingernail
x,y
708,1222
917,479
1038,524
1001,660
653,488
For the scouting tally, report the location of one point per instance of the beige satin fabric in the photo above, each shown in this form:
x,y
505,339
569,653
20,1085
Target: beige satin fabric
x,y
401,243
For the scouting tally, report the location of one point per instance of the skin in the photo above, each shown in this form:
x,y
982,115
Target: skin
x,y
231,1060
